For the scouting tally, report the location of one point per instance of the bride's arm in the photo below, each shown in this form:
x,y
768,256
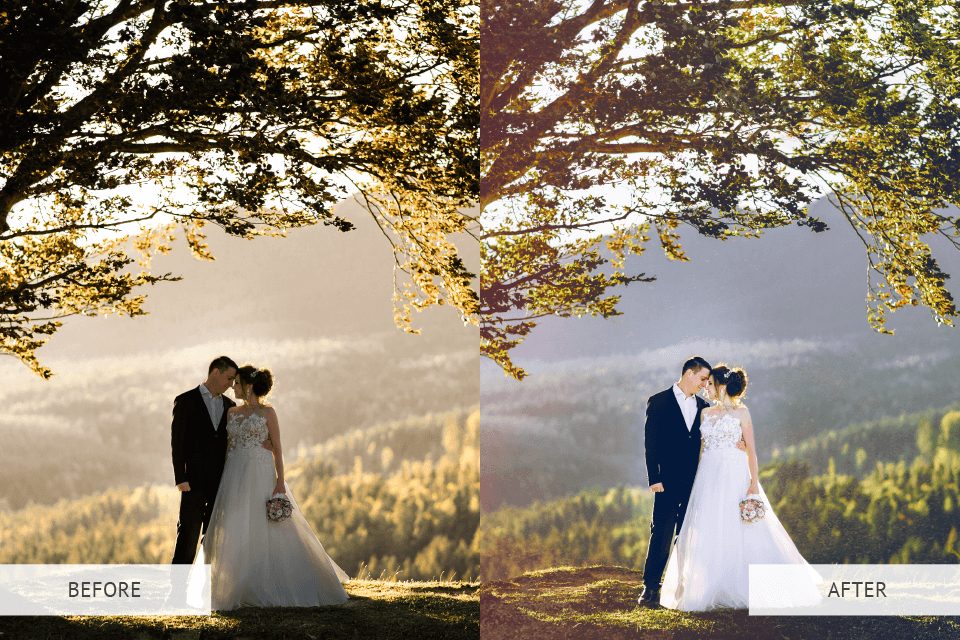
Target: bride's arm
x,y
747,425
273,426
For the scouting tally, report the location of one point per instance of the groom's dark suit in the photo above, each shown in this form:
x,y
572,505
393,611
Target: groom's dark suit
x,y
673,454
199,452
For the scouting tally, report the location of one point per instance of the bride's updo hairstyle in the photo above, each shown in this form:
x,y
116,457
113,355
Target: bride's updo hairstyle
x,y
259,381
735,381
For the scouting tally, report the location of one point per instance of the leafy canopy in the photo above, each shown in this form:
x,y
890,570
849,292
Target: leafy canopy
x,y
606,123
125,120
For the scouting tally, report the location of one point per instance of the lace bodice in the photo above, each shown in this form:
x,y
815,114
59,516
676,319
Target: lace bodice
x,y
246,431
721,432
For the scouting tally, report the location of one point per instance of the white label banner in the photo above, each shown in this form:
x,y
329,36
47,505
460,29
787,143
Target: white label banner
x,y
104,589
855,590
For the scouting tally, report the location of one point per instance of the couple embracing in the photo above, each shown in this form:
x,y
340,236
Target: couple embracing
x,y
699,474
227,463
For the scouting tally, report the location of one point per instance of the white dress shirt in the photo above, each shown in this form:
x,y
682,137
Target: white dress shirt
x,y
214,405
688,406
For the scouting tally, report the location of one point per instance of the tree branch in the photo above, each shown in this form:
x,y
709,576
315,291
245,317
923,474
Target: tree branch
x,y
552,227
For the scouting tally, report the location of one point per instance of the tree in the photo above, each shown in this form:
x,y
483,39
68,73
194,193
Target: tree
x,y
609,121
254,116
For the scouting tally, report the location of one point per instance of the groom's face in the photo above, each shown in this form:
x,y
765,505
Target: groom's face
x,y
220,381
702,377
692,381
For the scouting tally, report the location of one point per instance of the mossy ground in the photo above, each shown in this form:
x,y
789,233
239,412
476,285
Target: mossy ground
x,y
601,603
380,610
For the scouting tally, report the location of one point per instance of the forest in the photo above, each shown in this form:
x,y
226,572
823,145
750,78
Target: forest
x,y
108,424
580,426
856,449
894,511
384,516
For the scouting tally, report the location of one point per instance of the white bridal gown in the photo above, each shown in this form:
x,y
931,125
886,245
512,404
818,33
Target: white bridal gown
x,y
708,566
254,561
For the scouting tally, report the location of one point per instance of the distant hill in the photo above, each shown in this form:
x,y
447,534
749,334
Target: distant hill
x,y
113,428
385,448
858,449
580,427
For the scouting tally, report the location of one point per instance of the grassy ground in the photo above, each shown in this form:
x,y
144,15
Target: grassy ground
x,y
601,602
381,610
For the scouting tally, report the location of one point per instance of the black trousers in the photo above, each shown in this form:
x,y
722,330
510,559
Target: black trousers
x,y
195,510
669,508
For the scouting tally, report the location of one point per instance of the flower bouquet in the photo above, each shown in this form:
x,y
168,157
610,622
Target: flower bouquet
x,y
279,508
752,509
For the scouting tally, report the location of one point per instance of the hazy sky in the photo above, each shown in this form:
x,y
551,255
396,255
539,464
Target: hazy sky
x,y
789,283
317,283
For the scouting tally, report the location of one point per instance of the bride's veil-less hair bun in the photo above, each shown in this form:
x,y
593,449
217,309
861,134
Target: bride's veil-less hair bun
x,y
737,384
734,379
260,381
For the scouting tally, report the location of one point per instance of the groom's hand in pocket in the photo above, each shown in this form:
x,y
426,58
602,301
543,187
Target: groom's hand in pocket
x,y
657,488
184,486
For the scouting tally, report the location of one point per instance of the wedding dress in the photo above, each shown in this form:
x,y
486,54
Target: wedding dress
x,y
708,566
254,561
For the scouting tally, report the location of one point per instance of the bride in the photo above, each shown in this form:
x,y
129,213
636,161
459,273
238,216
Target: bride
x,y
709,565
254,561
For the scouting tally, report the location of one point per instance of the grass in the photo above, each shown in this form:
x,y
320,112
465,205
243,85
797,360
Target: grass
x,y
377,609
601,602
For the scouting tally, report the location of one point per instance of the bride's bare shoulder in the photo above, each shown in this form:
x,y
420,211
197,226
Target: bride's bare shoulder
x,y
269,411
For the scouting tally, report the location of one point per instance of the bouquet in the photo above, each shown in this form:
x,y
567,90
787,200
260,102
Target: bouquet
x,y
752,509
278,508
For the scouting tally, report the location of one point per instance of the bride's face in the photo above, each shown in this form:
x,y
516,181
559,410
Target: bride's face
x,y
710,389
237,389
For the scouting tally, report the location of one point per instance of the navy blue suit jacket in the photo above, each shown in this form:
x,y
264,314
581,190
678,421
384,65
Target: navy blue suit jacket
x,y
199,450
672,452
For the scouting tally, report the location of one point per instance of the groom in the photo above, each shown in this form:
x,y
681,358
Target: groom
x,y
672,442
199,442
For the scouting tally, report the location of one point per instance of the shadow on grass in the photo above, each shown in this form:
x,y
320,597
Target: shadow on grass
x,y
391,611
601,603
